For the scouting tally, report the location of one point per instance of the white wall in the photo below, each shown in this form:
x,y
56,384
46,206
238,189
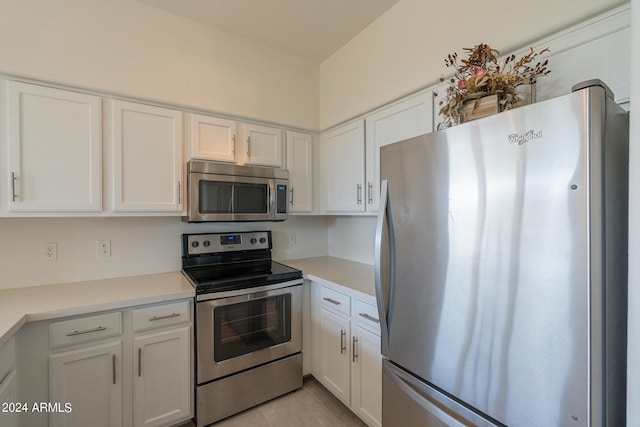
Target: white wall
x,y
404,50
138,246
352,238
129,48
633,358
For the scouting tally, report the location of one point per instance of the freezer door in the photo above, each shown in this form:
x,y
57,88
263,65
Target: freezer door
x,y
483,261
409,402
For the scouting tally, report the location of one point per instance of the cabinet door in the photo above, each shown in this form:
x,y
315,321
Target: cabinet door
x,y
212,138
162,385
90,380
366,376
54,156
344,168
147,157
335,355
8,416
299,163
263,145
406,119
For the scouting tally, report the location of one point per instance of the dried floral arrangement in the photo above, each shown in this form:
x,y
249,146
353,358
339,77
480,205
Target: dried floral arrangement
x,y
481,74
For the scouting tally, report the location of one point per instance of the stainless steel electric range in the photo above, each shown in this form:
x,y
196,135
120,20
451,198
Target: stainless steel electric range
x,y
248,322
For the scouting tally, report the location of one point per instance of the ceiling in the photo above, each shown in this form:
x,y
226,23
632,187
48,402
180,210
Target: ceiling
x,y
312,29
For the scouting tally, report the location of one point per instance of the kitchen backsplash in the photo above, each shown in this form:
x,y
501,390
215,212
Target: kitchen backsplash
x,y
141,245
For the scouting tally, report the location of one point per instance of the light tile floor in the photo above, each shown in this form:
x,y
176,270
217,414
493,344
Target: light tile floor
x,y
310,406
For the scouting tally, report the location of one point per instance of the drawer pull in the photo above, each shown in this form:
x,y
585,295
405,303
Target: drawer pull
x,y
343,346
113,361
166,316
139,361
87,331
332,301
371,318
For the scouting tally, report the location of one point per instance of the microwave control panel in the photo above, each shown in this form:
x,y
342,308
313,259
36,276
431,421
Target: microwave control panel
x,y
281,198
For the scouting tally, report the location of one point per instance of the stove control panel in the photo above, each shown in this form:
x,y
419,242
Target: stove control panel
x,y
210,243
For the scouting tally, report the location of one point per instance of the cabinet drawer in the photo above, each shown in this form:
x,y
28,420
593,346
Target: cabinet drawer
x,y
84,329
335,301
161,315
7,359
366,315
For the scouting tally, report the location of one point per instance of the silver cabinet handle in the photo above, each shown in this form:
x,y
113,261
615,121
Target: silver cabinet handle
x,y
14,196
87,331
166,316
368,317
359,193
248,145
370,192
233,148
139,361
332,301
291,197
113,359
179,193
354,347
343,345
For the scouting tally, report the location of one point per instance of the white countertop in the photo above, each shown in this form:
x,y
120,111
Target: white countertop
x,y
21,305
353,275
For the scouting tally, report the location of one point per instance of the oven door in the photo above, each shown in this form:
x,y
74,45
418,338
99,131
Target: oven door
x,y
238,332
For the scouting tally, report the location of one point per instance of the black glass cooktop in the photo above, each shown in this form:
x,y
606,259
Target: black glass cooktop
x,y
240,275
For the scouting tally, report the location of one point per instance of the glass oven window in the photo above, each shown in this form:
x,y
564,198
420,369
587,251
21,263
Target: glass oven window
x,y
249,326
218,197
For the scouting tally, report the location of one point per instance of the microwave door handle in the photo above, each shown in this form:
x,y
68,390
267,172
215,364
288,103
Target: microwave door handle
x,y
384,270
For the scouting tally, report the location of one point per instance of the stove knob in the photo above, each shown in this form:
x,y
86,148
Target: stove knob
x,y
263,240
206,243
254,240
195,244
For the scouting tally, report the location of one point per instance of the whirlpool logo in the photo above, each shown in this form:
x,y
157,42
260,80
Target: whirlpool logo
x,y
521,138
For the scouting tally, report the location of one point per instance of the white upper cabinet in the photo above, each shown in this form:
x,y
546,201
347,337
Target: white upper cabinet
x,y
54,149
262,145
299,163
147,157
352,161
212,138
402,120
344,172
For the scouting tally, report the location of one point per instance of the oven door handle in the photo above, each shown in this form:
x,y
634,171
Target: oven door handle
x,y
228,297
259,295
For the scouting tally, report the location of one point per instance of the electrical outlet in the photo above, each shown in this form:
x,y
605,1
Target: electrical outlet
x,y
292,237
103,248
51,251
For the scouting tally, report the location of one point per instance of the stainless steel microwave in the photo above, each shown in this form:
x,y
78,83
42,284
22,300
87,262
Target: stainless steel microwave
x,y
223,192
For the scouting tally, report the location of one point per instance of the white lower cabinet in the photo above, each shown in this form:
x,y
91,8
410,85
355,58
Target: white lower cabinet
x,y
8,381
334,355
162,380
346,351
125,368
86,383
366,375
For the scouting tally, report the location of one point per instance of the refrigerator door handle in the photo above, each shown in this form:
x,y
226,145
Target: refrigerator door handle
x,y
384,264
411,388
432,404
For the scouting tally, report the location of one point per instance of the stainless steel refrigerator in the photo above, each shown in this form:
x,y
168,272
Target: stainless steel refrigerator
x,y
501,268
